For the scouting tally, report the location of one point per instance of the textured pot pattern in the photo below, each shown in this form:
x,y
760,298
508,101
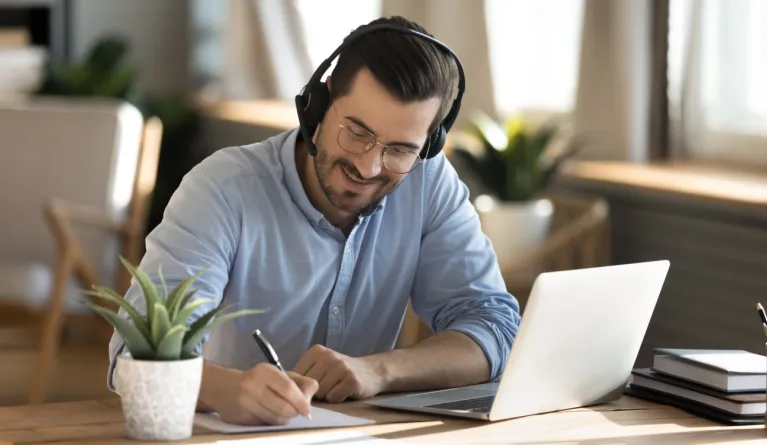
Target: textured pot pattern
x,y
158,397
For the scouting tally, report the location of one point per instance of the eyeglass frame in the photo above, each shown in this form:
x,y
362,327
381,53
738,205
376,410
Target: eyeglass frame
x,y
342,126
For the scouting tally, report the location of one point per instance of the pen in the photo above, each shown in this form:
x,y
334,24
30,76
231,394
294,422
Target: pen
x,y
763,316
270,353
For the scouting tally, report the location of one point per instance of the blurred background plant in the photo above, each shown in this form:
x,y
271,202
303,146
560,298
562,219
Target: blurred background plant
x,y
105,72
514,160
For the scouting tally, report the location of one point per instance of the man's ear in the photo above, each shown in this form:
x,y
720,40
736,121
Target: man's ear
x,y
316,134
327,82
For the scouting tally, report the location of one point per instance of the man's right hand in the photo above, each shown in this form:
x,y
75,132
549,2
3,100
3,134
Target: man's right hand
x,y
261,395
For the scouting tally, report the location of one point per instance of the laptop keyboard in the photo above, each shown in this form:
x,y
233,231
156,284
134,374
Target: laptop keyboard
x,y
477,405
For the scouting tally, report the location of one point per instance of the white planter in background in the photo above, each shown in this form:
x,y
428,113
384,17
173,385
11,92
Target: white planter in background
x,y
514,228
159,398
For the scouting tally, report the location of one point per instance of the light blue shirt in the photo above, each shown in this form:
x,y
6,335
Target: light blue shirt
x,y
244,211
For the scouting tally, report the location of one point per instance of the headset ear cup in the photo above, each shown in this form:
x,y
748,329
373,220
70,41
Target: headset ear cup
x,y
436,142
318,104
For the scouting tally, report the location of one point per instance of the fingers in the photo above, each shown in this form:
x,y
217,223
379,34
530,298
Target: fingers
x,y
308,360
330,379
341,391
274,409
271,394
293,397
307,385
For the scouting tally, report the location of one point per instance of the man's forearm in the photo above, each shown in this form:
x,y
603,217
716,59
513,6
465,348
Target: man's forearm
x,y
447,359
211,387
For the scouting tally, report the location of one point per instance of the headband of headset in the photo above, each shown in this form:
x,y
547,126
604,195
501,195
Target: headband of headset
x,y
313,100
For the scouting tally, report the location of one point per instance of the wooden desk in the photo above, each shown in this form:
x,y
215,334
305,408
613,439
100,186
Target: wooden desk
x,y
627,421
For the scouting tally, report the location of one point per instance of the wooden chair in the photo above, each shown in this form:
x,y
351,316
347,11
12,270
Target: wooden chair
x,y
62,217
91,164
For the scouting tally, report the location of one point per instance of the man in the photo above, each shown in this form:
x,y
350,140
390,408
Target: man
x,y
334,245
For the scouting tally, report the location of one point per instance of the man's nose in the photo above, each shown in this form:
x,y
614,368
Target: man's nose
x,y
369,163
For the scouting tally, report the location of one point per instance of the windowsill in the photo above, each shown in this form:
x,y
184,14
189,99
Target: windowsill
x,y
277,114
694,179
698,180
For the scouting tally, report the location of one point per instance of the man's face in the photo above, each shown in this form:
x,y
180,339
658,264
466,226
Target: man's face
x,y
356,183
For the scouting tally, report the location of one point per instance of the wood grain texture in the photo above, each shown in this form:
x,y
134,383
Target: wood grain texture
x,y
626,421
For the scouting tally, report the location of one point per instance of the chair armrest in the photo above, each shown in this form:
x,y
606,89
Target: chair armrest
x,y
61,217
73,212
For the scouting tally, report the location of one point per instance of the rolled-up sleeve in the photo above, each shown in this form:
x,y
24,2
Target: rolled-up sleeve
x,y
199,228
458,283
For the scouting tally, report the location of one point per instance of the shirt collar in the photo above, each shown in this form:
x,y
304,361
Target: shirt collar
x,y
296,188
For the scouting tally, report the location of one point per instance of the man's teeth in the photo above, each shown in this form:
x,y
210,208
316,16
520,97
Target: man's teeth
x,y
353,178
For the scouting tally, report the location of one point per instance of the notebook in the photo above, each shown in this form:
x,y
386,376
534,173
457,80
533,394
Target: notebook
x,y
741,403
725,369
321,418
694,408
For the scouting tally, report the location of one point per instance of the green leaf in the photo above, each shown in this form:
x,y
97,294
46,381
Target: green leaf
x,y
170,346
488,131
112,296
136,343
198,330
175,298
203,320
147,287
549,170
184,314
162,282
160,324
185,300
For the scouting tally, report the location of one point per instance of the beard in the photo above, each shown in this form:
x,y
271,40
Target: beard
x,y
344,200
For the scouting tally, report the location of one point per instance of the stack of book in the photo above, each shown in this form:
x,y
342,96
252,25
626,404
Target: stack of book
x,y
727,386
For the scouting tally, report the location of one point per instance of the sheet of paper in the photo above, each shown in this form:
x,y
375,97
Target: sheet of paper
x,y
331,437
321,418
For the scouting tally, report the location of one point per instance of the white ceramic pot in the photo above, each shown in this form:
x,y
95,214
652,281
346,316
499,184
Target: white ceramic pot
x,y
159,398
514,228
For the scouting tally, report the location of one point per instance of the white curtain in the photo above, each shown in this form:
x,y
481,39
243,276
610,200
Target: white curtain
x,y
265,54
718,80
612,104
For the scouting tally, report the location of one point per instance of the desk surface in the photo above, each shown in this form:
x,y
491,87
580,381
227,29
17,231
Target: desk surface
x,y
626,421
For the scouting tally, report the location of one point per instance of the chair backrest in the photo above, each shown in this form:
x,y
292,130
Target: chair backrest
x,y
80,150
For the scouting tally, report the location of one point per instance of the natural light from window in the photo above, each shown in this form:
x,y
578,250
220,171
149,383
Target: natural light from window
x,y
721,85
732,67
327,22
534,52
757,57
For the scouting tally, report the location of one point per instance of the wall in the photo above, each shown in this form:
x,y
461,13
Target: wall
x,y
717,249
157,31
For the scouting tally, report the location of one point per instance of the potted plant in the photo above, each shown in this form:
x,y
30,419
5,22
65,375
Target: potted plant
x,y
513,163
158,377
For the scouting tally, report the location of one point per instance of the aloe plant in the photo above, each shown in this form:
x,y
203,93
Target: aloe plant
x,y
514,162
163,333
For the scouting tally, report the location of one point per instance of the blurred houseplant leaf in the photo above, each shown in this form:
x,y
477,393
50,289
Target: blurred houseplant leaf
x,y
166,331
517,160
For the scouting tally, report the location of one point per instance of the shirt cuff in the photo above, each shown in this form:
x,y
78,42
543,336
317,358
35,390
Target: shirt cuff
x,y
112,367
489,339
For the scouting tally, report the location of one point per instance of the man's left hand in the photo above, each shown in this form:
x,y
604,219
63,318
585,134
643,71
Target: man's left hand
x,y
340,376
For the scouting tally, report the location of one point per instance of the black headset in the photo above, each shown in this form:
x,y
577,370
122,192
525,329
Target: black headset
x,y
313,100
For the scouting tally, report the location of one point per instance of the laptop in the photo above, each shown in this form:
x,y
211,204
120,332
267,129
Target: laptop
x,y
576,346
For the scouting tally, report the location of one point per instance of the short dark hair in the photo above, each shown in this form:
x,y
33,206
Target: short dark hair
x,y
410,68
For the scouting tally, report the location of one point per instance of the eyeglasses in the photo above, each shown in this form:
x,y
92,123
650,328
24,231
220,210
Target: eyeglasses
x,y
396,158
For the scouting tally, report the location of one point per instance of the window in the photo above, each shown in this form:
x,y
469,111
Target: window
x,y
534,53
716,57
327,22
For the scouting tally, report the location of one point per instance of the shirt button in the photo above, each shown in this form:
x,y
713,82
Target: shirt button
x,y
348,249
335,310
